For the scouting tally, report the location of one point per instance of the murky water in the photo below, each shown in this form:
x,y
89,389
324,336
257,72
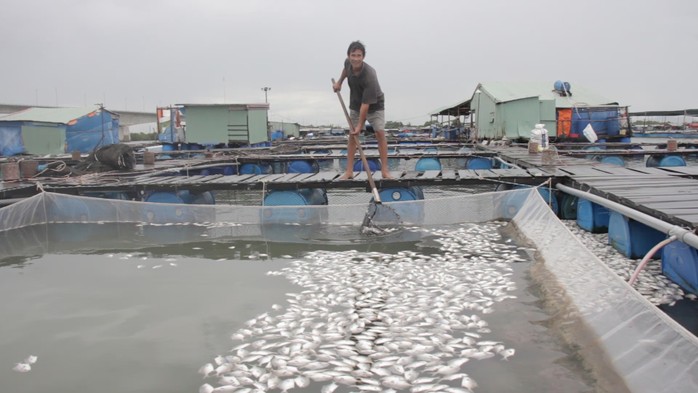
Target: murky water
x,y
458,301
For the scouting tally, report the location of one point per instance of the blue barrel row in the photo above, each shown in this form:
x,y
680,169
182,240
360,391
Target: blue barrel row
x,y
631,238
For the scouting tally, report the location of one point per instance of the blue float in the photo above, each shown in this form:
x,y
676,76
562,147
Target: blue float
x,y
373,165
680,265
227,170
408,212
295,200
672,161
592,217
613,160
261,168
324,164
427,164
478,163
301,166
568,207
461,162
631,238
109,195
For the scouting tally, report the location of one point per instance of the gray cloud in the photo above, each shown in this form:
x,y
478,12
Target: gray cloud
x,y
138,54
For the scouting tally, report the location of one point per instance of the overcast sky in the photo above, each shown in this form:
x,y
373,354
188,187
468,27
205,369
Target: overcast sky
x,y
139,54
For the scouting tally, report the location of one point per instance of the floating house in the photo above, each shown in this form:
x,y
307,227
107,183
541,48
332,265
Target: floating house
x,y
232,125
41,131
512,109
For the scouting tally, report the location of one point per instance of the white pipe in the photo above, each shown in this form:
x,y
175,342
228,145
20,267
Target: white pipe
x,y
682,234
648,256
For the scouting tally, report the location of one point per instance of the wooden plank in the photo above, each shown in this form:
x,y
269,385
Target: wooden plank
x,y
431,174
323,176
467,174
448,174
232,179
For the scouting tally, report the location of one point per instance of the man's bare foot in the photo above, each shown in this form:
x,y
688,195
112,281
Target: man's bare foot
x,y
346,176
386,175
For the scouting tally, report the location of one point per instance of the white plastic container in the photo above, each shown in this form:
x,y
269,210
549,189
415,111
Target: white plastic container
x,y
539,135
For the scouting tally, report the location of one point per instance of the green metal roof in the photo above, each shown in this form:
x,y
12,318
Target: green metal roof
x,y
511,91
49,115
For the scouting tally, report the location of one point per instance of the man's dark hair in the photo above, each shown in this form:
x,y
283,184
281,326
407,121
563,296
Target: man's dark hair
x,y
356,45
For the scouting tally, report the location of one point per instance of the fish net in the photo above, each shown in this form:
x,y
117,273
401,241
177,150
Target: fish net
x,y
611,322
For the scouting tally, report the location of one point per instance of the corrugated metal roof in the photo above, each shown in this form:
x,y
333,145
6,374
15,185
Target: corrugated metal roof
x,y
49,115
511,91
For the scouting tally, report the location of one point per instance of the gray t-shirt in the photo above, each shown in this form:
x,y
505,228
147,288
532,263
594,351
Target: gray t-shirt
x,y
364,88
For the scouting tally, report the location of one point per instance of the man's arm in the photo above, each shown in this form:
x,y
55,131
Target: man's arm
x,y
338,85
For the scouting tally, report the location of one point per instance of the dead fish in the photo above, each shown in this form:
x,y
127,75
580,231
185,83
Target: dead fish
x,y
22,368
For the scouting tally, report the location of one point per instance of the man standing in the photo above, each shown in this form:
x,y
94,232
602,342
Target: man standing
x,y
366,102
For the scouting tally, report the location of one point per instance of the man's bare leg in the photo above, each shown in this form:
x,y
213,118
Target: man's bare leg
x,y
383,152
351,152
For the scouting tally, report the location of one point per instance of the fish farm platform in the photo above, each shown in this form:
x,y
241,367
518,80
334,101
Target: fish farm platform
x,y
667,193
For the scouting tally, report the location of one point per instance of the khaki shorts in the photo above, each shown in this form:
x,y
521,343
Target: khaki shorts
x,y
375,119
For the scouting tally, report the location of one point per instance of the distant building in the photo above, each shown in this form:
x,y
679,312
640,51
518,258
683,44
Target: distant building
x,y
286,129
226,124
512,109
41,131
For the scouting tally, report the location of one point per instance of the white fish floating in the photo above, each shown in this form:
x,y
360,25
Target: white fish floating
x,y
378,322
22,368
31,359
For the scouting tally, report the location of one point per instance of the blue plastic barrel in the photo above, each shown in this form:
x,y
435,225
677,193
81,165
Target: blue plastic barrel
x,y
427,164
462,162
613,160
672,161
412,213
109,195
324,164
373,165
203,198
680,265
631,238
295,200
591,216
343,161
568,207
478,163
166,213
301,166
255,169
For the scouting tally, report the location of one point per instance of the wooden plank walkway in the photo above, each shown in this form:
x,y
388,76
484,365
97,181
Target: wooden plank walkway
x,y
670,193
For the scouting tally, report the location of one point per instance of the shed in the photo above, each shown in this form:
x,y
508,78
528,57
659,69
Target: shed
x,y
228,124
286,129
512,109
43,131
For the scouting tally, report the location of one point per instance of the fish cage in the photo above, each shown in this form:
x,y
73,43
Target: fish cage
x,y
623,338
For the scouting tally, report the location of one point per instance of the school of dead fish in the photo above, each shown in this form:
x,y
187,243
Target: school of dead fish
x,y
375,322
